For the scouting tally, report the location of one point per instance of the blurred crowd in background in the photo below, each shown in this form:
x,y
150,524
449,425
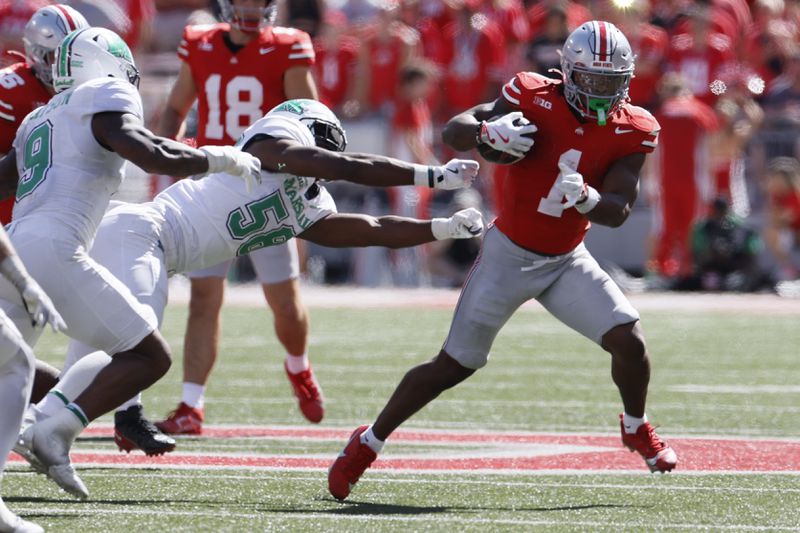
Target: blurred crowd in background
x,y
721,196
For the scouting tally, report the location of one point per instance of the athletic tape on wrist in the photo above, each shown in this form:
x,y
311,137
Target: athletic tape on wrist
x,y
590,202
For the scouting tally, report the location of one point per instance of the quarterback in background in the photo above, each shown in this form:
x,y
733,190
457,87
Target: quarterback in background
x,y
584,167
237,71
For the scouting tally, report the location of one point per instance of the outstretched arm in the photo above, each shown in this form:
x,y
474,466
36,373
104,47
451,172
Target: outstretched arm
x,y
126,135
348,230
285,155
354,230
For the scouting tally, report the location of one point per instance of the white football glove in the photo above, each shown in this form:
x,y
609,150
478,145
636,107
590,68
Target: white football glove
x,y
36,302
464,224
455,174
506,134
570,183
40,308
234,162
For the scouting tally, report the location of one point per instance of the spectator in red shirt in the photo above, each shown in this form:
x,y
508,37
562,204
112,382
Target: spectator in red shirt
x,y
544,51
412,140
337,55
473,52
649,43
577,14
782,232
387,46
698,53
682,175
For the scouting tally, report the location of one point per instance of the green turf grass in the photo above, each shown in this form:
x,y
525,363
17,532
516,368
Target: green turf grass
x,y
542,377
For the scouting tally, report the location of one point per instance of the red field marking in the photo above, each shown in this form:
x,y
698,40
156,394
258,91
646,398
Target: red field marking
x,y
492,451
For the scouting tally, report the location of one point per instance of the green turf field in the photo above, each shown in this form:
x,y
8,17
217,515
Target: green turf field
x,y
731,374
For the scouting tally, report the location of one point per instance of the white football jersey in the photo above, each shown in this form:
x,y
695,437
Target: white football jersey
x,y
66,176
214,218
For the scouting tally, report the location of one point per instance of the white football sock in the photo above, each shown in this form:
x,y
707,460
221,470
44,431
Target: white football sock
x,y
631,423
16,379
297,363
53,402
369,438
194,394
80,375
136,400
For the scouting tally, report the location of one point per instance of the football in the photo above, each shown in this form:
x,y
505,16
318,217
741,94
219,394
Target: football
x,y
496,156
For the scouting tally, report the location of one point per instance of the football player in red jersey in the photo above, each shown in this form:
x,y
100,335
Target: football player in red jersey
x,y
237,71
26,85
583,168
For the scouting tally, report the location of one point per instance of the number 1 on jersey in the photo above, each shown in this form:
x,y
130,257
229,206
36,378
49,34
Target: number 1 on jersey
x,y
553,204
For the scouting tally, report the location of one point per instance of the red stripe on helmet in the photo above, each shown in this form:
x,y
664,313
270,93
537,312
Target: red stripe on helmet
x,y
64,11
604,49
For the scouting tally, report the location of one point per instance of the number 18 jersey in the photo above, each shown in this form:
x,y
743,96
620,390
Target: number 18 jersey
x,y
234,89
531,209
214,219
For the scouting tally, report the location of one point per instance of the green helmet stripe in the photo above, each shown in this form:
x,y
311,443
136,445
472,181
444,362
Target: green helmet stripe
x,y
64,62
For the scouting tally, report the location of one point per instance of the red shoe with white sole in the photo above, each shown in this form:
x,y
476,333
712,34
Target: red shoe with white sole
x,y
656,453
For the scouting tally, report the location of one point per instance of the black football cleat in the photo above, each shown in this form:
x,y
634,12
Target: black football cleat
x,y
132,431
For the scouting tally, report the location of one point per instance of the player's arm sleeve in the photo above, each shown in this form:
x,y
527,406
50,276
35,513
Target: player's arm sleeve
x,y
185,47
301,51
647,128
512,91
117,95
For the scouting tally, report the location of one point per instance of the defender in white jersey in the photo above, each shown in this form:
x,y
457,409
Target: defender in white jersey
x,y
67,161
194,224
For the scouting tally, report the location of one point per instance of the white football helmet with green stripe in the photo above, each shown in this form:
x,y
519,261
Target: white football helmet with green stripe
x,y
92,53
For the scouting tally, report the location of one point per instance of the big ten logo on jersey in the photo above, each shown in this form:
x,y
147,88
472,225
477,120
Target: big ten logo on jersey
x,y
538,100
232,106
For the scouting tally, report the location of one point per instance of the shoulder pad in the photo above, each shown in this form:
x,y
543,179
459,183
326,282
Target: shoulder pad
x,y
640,118
535,82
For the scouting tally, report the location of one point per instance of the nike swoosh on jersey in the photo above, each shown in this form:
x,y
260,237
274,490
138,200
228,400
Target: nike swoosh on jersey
x,y
264,51
619,131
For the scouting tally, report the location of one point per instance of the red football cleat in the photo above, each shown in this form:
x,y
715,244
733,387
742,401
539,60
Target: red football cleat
x,y
656,453
308,393
184,420
351,463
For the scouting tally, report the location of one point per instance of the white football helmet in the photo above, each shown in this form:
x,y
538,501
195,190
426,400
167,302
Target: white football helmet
x,y
248,19
324,125
92,53
597,63
45,29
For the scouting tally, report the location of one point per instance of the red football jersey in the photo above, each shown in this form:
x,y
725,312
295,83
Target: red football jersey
x,y
334,68
530,210
236,89
20,93
699,67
